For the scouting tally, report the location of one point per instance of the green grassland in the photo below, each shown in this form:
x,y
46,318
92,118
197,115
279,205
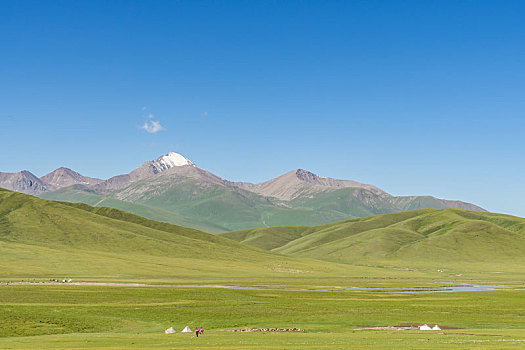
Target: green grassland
x,y
84,317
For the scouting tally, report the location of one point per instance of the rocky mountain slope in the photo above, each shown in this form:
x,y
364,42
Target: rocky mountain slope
x,y
150,168
298,183
64,177
25,182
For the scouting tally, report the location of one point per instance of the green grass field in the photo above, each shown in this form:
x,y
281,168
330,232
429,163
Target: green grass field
x,y
82,317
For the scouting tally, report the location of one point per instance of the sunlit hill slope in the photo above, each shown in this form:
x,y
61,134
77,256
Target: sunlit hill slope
x,y
431,237
47,238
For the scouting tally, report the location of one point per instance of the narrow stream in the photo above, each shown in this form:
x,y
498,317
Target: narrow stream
x,y
451,289
448,288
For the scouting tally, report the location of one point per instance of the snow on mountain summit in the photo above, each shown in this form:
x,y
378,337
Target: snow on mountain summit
x,y
170,160
149,168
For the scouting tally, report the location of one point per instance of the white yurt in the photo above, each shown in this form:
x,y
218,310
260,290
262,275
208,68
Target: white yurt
x,y
170,331
425,327
186,330
436,328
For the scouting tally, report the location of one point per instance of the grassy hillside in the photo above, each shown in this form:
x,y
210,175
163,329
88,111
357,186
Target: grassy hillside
x,y
46,238
204,206
80,194
348,202
432,237
230,208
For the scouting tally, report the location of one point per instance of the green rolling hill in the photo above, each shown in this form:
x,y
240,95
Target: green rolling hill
x,y
429,237
43,238
46,238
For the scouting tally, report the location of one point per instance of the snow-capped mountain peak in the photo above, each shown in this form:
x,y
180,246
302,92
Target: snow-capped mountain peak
x,y
172,159
153,167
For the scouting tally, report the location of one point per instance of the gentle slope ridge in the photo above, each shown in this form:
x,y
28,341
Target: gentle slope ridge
x,y
425,236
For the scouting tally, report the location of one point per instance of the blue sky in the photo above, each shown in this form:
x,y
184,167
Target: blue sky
x,y
416,97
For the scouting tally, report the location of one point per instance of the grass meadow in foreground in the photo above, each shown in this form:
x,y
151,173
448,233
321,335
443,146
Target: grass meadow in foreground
x,y
67,316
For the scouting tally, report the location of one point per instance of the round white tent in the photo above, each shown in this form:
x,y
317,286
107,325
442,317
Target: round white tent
x,y
186,330
425,327
170,331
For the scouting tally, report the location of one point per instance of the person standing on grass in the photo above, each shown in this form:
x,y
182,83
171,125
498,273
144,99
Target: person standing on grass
x,y
197,332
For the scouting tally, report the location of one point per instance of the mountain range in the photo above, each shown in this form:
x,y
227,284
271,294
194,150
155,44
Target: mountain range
x,y
173,189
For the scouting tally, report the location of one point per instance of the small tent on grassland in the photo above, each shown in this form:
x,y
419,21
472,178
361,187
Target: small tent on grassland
x,y
170,331
186,330
436,328
425,327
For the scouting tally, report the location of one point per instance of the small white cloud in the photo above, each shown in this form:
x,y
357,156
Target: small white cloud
x,y
144,108
152,126
150,116
204,114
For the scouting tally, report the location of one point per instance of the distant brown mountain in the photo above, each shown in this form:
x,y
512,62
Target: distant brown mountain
x,y
64,177
297,183
25,182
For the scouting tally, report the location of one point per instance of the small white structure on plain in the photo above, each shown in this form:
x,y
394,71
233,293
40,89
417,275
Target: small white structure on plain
x,y
425,327
170,331
186,330
436,328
